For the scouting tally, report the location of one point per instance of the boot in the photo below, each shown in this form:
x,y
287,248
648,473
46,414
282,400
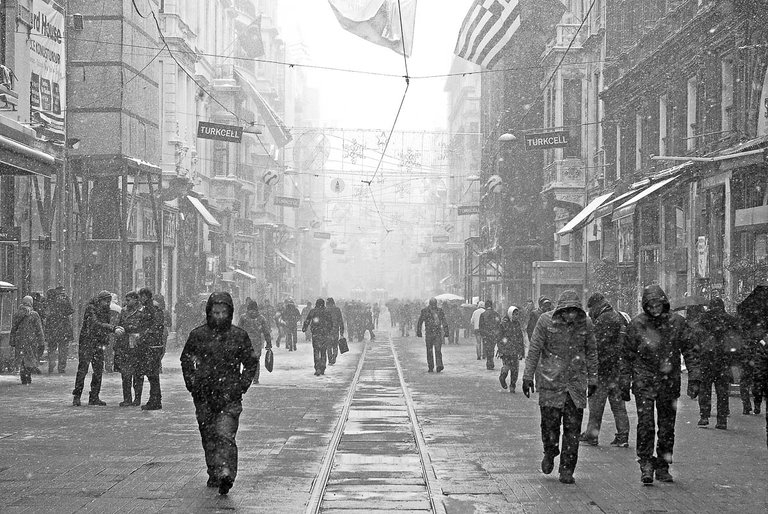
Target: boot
x,y
646,473
76,401
584,438
722,424
548,463
566,477
663,475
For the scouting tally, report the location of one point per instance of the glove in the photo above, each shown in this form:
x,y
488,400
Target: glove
x,y
591,389
527,387
625,394
693,389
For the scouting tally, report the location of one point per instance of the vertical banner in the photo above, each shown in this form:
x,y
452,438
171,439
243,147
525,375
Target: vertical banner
x,y
48,68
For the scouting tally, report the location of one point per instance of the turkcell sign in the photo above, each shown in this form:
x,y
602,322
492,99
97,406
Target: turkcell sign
x,y
466,210
321,235
287,201
440,239
545,140
219,132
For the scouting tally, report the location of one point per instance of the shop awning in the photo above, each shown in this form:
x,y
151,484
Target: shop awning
x,y
203,211
19,159
244,274
284,257
647,191
582,216
275,125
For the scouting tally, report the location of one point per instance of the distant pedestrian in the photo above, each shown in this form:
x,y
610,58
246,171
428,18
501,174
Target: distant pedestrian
x,y
218,363
376,314
435,326
490,322
563,345
319,322
656,338
610,332
94,336
127,356
258,332
511,348
58,328
304,313
475,321
26,334
292,317
151,347
337,330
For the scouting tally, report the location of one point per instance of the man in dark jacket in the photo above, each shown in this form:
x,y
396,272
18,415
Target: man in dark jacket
x,y
435,329
511,347
563,345
715,362
211,364
610,332
320,324
151,347
490,321
650,362
127,355
544,305
291,316
58,328
93,338
337,330
258,332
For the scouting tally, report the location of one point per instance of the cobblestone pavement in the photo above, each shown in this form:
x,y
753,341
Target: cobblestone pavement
x,y
483,443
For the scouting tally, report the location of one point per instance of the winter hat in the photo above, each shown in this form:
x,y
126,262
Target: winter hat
x,y
104,294
252,306
512,309
27,300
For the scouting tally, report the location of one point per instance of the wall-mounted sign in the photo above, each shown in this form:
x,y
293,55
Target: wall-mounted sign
x,y
321,235
466,210
287,201
219,132
440,239
47,66
545,140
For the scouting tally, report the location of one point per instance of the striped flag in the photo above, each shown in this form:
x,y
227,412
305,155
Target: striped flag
x,y
489,27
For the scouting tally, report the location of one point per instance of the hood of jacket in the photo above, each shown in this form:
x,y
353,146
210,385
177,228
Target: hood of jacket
x,y
222,298
655,292
569,299
542,301
597,305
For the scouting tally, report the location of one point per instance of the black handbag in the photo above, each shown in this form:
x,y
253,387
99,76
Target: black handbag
x,y
343,346
269,360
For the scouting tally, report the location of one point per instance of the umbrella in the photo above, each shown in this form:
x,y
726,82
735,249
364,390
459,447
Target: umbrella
x,y
447,297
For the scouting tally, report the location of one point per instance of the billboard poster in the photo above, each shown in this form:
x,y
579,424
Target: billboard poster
x,y
48,68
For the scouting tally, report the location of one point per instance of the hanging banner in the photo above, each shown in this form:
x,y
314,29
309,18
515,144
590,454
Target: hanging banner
x,y
545,140
47,65
219,132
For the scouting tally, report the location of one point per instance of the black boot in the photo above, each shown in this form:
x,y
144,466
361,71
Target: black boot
x,y
646,473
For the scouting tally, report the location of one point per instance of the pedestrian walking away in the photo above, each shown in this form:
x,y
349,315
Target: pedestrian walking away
x,y
292,317
25,337
610,332
656,339
218,363
490,322
258,332
475,321
320,324
151,347
511,348
337,331
58,328
563,345
435,326
93,339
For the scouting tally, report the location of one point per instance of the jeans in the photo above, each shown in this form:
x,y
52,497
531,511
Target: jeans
x,y
489,345
612,393
58,349
454,334
132,381
570,418
95,358
647,408
291,334
25,374
510,365
478,344
333,351
218,428
722,387
434,353
319,351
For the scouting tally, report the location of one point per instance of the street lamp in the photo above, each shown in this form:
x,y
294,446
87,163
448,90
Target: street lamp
x,y
507,138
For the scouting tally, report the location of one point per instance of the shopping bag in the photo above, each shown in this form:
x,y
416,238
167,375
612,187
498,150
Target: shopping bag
x,y
343,346
269,359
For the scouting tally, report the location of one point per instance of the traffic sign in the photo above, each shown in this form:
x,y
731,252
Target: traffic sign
x,y
287,201
219,132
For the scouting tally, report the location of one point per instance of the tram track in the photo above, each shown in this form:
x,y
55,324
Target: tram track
x,y
377,457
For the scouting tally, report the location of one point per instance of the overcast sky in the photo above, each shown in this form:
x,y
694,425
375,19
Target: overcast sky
x,y
357,101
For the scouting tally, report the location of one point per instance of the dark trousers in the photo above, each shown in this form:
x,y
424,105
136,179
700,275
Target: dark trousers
x,y
155,397
291,334
132,383
612,393
332,349
722,387
570,418
58,349
218,429
434,353
489,347
510,365
95,358
647,426
25,374
746,382
319,351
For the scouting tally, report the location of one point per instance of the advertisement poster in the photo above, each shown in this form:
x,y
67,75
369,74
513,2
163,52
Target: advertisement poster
x,y
48,68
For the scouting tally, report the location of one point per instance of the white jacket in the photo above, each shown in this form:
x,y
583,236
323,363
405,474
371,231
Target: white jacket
x,y
476,318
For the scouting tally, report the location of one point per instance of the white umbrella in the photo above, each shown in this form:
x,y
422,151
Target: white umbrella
x,y
446,297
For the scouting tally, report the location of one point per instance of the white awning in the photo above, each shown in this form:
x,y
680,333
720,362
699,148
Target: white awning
x,y
244,274
647,191
584,214
284,257
204,212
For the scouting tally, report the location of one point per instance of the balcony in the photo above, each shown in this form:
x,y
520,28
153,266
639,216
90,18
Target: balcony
x,y
565,33
565,173
244,226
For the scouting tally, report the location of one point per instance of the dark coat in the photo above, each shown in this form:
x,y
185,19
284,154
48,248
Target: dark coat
x,y
319,323
152,340
610,333
535,314
96,327
212,358
511,342
127,358
434,322
566,354
291,314
58,321
337,329
651,356
26,336
720,329
490,322
258,329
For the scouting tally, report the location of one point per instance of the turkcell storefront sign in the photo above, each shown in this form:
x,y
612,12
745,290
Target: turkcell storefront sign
x,y
545,140
219,132
47,64
467,210
287,201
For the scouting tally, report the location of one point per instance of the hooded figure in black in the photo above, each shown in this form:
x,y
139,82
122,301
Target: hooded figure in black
x,y
218,363
715,358
650,362
435,329
93,339
337,331
320,324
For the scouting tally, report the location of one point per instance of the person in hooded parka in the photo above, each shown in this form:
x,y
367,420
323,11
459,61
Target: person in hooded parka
x,y
25,337
257,327
511,347
218,364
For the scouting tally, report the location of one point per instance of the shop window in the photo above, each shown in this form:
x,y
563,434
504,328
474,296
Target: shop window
x,y
711,233
649,225
626,240
676,249
609,240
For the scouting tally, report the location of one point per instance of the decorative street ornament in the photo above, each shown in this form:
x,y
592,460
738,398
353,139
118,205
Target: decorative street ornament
x,y
337,185
270,177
